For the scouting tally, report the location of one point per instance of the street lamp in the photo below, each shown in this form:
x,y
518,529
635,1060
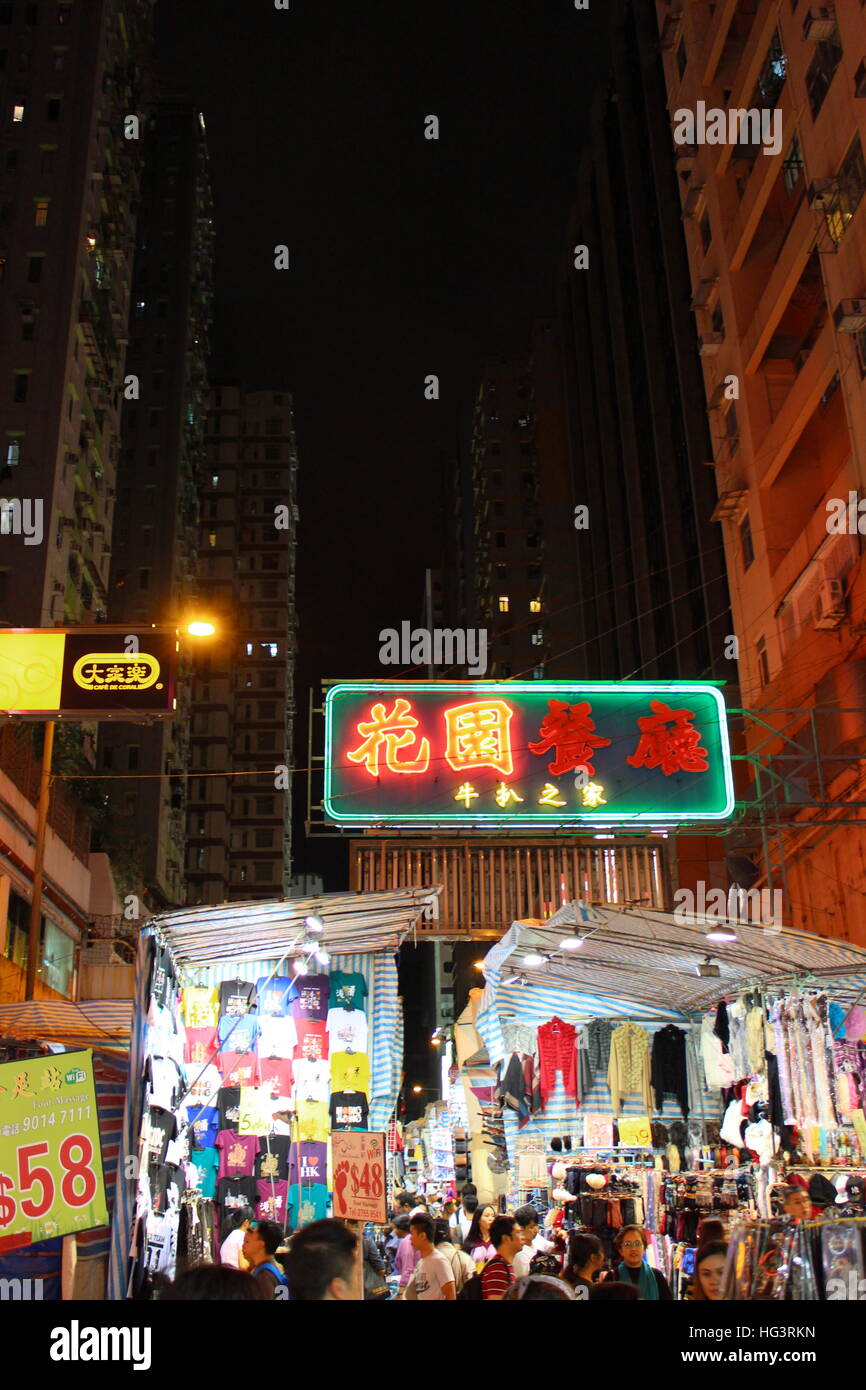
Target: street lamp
x,y
200,627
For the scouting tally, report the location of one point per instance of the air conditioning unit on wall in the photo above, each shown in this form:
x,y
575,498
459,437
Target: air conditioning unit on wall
x,y
828,610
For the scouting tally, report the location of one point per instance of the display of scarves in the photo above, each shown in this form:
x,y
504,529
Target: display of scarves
x,y
805,1059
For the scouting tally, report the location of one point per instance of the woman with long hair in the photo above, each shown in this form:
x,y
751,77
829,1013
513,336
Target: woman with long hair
x,y
709,1273
477,1243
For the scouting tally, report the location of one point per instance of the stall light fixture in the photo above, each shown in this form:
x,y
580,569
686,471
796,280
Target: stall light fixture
x,y
315,923
417,1090
573,942
300,967
721,933
478,964
322,957
534,960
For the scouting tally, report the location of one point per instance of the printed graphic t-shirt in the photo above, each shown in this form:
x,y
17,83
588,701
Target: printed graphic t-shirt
x,y
200,1007
238,1034
347,1030
312,1041
309,997
432,1273
348,990
313,1120
309,1163
237,997
233,1193
273,1203
204,1164
274,997
349,1110
272,1159
311,1080
237,1154
275,1073
350,1071
278,1037
239,1068
229,1107
205,1123
200,1045
311,1203
203,1083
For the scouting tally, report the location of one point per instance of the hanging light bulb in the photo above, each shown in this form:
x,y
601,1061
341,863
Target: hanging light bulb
x,y
322,956
300,966
534,960
315,923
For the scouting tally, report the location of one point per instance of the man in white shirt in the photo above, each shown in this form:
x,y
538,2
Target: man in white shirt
x,y
527,1225
433,1277
465,1212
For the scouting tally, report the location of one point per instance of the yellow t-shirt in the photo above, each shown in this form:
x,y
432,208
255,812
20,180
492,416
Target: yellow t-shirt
x,y
350,1071
313,1121
200,1007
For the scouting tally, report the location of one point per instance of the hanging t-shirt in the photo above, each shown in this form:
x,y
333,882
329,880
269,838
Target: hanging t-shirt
x,y
229,1107
161,1242
163,1039
272,1159
200,1045
308,1163
163,983
347,1030
233,1193
165,1082
237,1034
159,1129
348,990
239,1068
275,1073
350,1071
312,1040
166,1186
205,1124
273,1202
311,1080
205,1164
237,997
311,1203
309,997
202,1082
349,1110
274,996
313,1120
237,1154
278,1037
200,1007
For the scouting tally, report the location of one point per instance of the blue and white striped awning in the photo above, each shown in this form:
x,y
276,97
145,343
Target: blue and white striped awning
x,y
637,959
102,1023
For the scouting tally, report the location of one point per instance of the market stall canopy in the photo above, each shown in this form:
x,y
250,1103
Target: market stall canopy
x,y
352,923
650,959
104,1023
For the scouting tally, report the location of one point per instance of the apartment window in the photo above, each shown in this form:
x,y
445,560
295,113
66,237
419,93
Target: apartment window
x,y
28,324
211,540
273,426
264,839
732,427
47,163
265,743
201,826
537,637
828,56
494,448
18,112
682,58
706,232
504,603
262,873
13,453
747,550
851,181
19,388
214,479
200,857
6,14
496,478
2,269
268,680
270,648
793,167
242,873
264,805
7,518
132,758
535,605
500,540
144,579
34,269
108,757
505,669
52,109
156,381
32,14
12,161
763,661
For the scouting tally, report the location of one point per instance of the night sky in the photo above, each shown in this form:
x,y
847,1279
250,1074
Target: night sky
x,y
408,257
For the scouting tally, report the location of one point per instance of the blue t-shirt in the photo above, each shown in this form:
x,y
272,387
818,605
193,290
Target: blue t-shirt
x,y
311,1203
205,1121
274,997
273,1268
238,1034
207,1161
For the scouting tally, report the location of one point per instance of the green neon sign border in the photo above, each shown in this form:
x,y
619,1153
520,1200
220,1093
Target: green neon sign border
x,y
487,818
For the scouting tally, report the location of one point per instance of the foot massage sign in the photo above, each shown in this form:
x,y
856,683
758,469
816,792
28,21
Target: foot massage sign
x,y
537,752
51,1181
358,1166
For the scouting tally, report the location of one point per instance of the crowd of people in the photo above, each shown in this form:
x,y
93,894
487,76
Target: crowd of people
x,y
434,1250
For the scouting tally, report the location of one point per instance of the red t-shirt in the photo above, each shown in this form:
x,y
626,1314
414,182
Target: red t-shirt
x,y
497,1276
312,1040
200,1045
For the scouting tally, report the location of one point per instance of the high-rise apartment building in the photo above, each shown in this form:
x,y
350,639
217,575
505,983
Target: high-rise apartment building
x,y
70,78
776,235
154,564
239,793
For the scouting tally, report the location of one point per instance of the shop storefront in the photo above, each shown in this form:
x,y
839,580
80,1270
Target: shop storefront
x,y
259,1030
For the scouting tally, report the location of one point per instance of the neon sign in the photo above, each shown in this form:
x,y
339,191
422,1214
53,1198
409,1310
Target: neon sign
x,y
526,752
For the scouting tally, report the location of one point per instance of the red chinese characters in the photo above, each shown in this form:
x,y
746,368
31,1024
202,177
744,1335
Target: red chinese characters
x,y
395,731
669,741
571,730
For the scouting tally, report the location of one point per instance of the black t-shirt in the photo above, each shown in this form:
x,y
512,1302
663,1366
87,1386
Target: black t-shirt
x,y
276,1164
162,1130
237,997
163,984
162,1179
349,1110
233,1193
228,1105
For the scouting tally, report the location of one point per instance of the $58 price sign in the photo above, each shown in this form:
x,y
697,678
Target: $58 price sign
x,y
78,1184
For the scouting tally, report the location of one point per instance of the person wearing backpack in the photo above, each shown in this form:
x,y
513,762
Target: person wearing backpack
x,y
497,1275
262,1239
462,1266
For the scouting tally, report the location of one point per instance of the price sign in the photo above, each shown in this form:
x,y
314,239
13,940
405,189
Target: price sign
x,y
358,1164
51,1181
